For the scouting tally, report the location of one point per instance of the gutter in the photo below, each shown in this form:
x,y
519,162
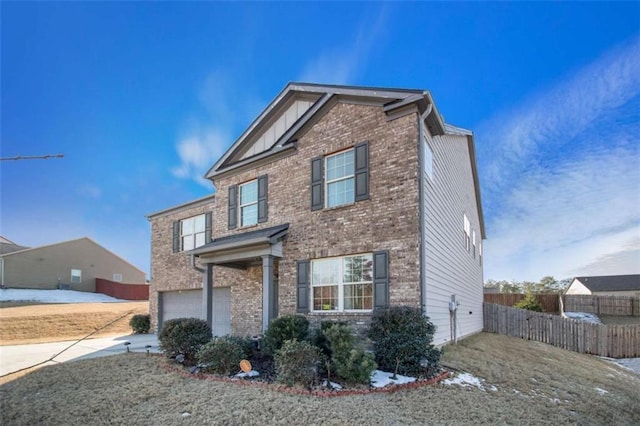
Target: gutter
x,y
421,208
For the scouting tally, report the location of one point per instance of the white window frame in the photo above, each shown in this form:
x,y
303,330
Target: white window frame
x,y
327,182
467,232
473,241
188,230
341,284
241,206
117,278
76,273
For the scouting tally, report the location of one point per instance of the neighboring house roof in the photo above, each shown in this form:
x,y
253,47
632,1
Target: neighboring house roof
x,y
15,253
8,246
611,282
5,240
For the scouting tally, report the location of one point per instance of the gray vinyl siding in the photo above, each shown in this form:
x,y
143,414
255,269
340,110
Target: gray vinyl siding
x,y
449,269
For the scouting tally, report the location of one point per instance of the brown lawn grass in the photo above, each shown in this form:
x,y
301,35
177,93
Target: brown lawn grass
x,y
536,384
55,322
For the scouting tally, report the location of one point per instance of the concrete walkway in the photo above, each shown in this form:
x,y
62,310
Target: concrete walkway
x,y
14,358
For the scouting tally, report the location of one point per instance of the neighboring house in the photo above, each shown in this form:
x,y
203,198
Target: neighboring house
x,y
335,201
71,264
607,285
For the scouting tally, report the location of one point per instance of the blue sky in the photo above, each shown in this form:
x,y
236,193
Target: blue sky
x,y
142,98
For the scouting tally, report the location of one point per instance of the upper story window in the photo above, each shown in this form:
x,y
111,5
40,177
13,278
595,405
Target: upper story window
x,y
341,178
249,203
342,283
467,233
192,232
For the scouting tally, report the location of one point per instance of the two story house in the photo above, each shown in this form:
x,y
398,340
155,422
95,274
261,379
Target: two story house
x,y
336,200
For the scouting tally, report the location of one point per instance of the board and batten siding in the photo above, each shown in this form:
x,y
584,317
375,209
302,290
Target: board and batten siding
x,y
448,268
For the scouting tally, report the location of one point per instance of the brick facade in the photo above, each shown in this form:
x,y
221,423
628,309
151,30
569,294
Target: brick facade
x,y
388,220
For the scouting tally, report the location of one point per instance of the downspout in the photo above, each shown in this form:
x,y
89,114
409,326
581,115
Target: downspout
x,y
421,208
194,266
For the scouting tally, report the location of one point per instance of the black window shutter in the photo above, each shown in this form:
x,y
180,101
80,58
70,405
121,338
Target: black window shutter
x,y
262,199
207,228
176,236
362,171
380,279
302,280
233,206
317,184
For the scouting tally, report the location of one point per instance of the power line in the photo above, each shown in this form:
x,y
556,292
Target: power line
x,y
32,157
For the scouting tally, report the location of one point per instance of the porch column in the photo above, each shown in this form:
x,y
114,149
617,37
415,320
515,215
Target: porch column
x,y
207,295
268,295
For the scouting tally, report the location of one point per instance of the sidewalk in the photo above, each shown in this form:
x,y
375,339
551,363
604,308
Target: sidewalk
x,y
14,358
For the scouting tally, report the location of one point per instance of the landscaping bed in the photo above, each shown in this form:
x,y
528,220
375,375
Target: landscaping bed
x,y
515,382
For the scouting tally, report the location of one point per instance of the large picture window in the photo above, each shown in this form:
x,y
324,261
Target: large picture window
x,y
340,179
342,283
192,232
249,203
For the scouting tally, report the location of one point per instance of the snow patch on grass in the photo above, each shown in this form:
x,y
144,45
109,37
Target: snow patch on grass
x,y
54,296
583,316
601,391
380,379
469,380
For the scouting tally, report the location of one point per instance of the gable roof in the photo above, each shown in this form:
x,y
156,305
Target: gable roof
x,y
302,104
611,282
315,99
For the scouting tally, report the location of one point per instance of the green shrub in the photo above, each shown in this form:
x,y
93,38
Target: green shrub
x,y
349,361
529,302
297,363
184,336
140,323
319,338
402,339
222,355
287,327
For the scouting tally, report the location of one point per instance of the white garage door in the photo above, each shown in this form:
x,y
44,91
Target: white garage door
x,y
181,304
221,311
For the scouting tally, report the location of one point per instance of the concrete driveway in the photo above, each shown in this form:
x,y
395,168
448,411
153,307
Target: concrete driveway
x,y
14,358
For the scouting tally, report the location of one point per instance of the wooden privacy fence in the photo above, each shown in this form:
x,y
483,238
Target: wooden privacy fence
x,y
602,305
615,341
549,302
122,291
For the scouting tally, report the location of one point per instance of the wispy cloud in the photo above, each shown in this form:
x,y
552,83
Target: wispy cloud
x,y
208,137
197,153
341,64
561,179
88,190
